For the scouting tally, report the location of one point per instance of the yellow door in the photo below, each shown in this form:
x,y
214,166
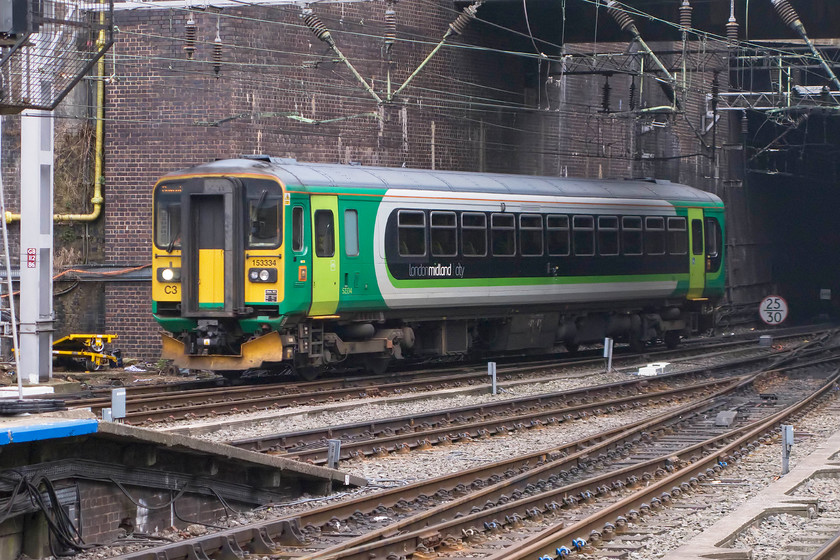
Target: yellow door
x,y
325,270
696,254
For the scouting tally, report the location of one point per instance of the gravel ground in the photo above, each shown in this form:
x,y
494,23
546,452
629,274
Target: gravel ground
x,y
237,426
402,469
752,474
744,479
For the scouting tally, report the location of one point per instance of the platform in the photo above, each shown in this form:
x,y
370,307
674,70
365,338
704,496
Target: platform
x,y
715,542
113,478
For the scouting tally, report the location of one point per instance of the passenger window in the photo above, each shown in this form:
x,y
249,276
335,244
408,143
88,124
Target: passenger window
x,y
444,232
712,237
297,228
412,233
631,235
503,232
655,235
608,235
697,237
558,235
677,236
473,234
324,233
531,235
583,233
351,233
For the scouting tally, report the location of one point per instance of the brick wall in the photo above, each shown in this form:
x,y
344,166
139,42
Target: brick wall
x,y
106,512
166,112
473,107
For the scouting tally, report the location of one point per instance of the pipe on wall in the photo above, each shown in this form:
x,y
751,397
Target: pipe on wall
x,y
99,179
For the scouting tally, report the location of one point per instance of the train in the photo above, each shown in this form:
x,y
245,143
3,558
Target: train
x,y
270,263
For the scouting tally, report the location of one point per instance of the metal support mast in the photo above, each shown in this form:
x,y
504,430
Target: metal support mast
x,y
36,240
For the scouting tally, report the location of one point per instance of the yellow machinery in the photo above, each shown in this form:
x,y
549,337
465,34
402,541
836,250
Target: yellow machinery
x,y
87,347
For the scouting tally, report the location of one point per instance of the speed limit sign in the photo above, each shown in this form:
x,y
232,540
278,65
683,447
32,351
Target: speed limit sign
x,y
773,310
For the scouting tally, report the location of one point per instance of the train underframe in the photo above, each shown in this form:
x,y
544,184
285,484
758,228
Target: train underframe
x,y
374,341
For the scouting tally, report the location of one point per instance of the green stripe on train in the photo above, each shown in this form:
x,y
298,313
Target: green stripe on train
x,y
558,280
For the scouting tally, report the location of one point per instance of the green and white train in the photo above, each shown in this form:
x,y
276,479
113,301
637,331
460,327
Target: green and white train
x,y
263,263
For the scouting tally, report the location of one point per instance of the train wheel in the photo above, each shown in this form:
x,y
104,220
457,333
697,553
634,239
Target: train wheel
x,y
572,347
377,364
310,373
672,339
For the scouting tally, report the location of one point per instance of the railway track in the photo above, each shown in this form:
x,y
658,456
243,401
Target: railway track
x,y
421,431
167,406
555,495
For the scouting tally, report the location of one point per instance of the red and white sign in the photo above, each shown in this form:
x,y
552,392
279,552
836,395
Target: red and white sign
x,y
773,310
31,257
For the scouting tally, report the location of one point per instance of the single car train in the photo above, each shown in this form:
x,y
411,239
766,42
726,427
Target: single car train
x,y
262,262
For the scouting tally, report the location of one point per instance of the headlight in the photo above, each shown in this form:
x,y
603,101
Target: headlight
x,y
170,274
262,275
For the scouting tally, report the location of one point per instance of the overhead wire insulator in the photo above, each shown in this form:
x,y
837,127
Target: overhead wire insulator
x,y
217,55
732,24
605,96
190,32
390,26
685,15
314,23
632,95
621,17
786,12
464,18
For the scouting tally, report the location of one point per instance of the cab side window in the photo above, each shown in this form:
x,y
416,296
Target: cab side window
x,y
297,228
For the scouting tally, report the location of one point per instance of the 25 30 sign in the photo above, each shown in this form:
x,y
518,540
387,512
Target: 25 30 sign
x,y
773,310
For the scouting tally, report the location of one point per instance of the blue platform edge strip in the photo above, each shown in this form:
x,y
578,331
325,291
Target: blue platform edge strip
x,y
53,430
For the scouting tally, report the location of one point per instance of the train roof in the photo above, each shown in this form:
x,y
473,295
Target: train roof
x,y
295,174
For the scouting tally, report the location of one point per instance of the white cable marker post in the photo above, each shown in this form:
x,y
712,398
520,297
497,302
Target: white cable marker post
x,y
608,352
333,453
787,444
491,371
118,404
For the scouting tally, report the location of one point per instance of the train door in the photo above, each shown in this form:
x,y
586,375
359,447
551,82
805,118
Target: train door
x,y
325,269
697,262
212,248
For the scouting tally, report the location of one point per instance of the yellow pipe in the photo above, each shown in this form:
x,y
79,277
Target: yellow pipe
x,y
99,148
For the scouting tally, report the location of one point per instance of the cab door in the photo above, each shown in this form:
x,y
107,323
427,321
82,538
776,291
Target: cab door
x,y
212,248
697,262
325,269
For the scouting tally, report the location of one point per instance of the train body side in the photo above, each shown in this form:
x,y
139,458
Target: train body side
x,y
307,265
